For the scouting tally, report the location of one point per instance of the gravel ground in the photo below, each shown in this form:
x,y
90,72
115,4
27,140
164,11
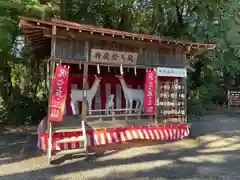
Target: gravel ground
x,y
213,154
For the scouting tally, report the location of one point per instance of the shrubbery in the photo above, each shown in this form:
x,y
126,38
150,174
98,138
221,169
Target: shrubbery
x,y
3,112
23,110
205,98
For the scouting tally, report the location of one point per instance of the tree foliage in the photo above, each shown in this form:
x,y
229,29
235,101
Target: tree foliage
x,y
16,97
214,21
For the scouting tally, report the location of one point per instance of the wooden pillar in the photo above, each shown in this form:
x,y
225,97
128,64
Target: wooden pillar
x,y
156,101
85,80
52,68
48,75
53,43
45,75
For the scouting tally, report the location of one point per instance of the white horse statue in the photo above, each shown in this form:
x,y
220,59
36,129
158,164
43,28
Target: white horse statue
x,y
77,96
131,95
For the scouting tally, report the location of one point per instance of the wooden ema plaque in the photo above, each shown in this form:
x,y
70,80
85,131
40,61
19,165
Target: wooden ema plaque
x,y
234,98
171,100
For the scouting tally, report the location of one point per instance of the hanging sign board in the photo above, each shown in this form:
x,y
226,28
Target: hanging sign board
x,y
171,72
150,92
234,98
113,57
59,94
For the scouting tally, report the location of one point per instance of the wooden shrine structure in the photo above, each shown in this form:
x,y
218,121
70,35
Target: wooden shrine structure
x,y
111,60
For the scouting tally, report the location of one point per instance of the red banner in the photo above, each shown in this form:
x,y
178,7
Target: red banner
x,y
150,92
59,94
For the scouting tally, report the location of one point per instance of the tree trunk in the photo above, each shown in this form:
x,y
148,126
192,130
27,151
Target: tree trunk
x,y
10,86
6,83
63,9
1,128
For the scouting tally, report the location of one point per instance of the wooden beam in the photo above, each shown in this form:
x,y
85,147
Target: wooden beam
x,y
32,36
53,46
34,48
40,40
31,30
47,33
41,49
36,45
39,43
83,61
69,61
88,36
78,61
27,24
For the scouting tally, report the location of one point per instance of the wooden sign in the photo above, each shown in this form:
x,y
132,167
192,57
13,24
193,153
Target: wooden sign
x,y
59,94
113,57
234,98
171,72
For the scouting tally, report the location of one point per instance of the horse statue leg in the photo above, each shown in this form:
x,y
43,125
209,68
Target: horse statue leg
x,y
90,107
74,106
137,105
142,106
130,106
127,104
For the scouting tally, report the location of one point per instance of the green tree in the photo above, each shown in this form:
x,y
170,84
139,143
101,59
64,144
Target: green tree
x,y
13,69
215,21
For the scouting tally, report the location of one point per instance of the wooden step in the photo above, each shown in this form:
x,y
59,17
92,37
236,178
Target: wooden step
x,y
65,129
72,139
71,151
